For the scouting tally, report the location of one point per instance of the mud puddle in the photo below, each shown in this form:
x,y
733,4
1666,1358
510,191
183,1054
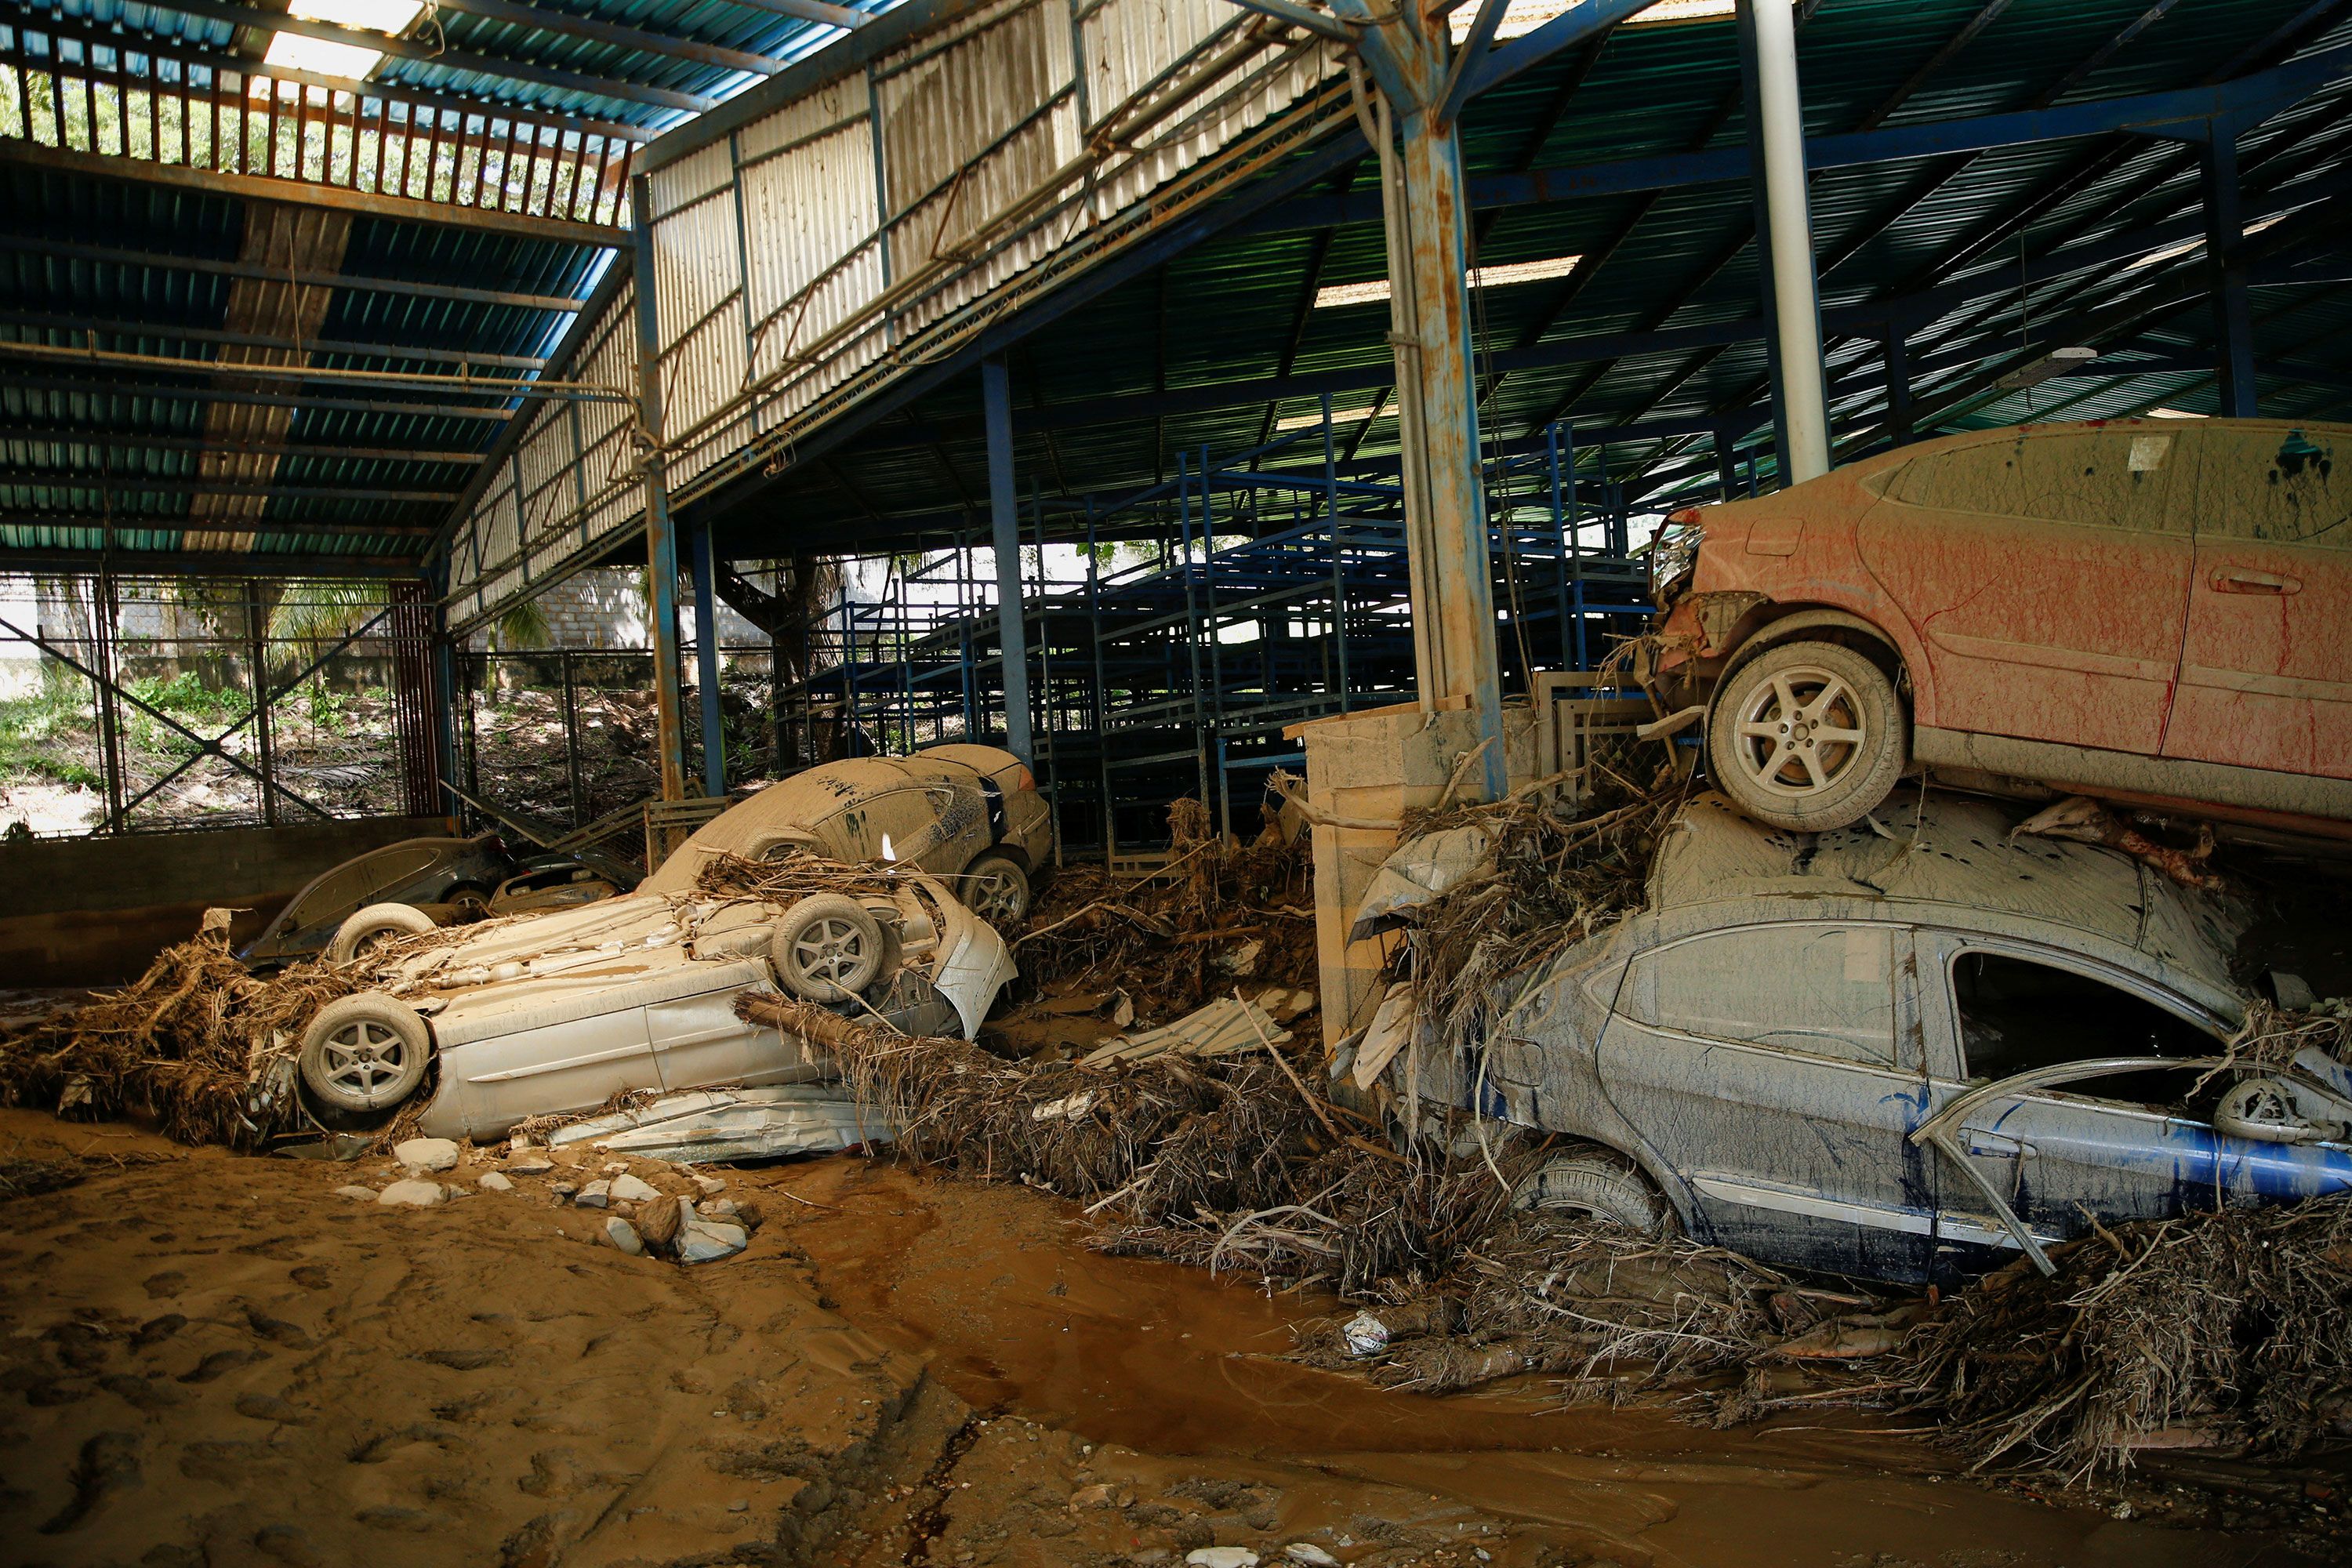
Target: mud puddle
x,y
1163,1364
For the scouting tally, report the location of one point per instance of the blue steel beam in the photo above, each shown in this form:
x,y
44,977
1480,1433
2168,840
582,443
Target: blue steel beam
x,y
2269,91
706,666
1005,537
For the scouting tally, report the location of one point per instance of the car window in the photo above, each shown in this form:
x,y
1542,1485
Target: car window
x,y
2288,489
394,866
1825,990
2015,1014
2115,478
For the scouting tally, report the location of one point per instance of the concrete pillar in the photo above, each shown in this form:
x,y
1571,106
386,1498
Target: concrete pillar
x,y
1004,536
706,664
1767,41
2233,325
661,536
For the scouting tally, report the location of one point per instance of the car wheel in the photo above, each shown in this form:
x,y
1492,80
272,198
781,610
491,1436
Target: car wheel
x,y
360,936
365,1053
1602,1187
996,890
468,902
828,948
1807,735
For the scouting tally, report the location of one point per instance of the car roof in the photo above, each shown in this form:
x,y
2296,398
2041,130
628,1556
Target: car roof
x,y
2261,432
1953,860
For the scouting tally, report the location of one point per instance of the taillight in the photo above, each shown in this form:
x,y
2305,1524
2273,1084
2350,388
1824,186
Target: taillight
x,y
1684,518
1024,780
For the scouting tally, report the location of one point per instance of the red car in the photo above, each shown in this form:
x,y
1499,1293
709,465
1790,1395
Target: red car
x,y
2148,610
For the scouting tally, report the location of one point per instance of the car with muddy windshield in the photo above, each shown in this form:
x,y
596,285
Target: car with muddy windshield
x,y
968,814
2156,611
1901,1051
559,1014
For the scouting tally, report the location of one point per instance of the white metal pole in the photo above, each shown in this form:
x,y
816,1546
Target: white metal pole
x,y
1796,303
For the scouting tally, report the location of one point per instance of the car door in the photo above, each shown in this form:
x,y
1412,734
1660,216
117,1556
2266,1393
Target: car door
x,y
2107,1149
1776,1071
2045,572
2266,671
699,1043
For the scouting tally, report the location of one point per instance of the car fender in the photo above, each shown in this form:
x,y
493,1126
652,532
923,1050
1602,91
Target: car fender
x,y
975,965
1780,625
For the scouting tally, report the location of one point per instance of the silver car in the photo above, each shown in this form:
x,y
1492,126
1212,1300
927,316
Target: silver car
x,y
559,1014
1900,1050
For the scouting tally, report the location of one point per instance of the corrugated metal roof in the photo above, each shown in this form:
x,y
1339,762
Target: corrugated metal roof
x,y
1226,312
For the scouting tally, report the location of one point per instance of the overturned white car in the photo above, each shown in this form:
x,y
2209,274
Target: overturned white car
x,y
559,1014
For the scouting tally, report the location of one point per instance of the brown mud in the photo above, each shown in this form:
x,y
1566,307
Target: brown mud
x,y
208,1359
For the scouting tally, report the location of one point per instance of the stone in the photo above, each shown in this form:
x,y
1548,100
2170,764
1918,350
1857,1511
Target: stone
x,y
720,1206
630,1189
1309,1554
426,1154
624,1235
658,1222
709,1186
518,1143
708,1241
532,1164
418,1195
496,1182
355,1190
1220,1557
562,1190
594,1195
1102,1494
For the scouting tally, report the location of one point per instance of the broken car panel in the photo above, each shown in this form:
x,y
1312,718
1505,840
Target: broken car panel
x,y
1768,1040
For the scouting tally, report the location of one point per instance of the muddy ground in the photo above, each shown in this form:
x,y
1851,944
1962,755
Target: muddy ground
x,y
217,1360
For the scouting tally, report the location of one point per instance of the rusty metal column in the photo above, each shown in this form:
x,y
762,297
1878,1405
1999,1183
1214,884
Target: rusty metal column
x,y
1005,538
1450,565
1768,38
661,535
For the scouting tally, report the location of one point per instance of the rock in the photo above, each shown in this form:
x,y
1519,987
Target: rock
x,y
562,1189
530,1164
1102,1494
714,1209
658,1222
496,1182
418,1195
624,1235
518,1143
355,1190
426,1154
708,1241
1310,1554
594,1195
709,1186
614,1167
630,1189
1220,1557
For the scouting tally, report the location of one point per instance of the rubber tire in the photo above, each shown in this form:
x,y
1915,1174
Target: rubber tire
x,y
466,895
1001,869
376,921
412,1040
1601,1185
865,958
1881,756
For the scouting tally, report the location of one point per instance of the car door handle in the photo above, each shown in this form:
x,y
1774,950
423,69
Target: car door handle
x,y
2234,580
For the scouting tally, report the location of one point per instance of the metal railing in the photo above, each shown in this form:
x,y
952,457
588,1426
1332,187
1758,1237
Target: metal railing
x,y
85,89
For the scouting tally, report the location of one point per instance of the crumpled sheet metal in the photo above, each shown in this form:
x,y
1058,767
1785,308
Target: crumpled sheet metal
x,y
1419,870
1223,1027
1952,851
1390,1031
707,1126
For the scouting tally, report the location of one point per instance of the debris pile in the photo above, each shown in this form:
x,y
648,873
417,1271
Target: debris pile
x,y
1218,912
1227,1162
2221,1330
187,1043
1620,1314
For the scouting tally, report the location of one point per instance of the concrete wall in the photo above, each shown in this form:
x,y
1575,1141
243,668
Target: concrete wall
x,y
93,911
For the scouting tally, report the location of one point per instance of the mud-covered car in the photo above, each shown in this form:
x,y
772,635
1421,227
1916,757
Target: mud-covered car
x,y
2156,611
968,814
459,875
558,1014
1900,1054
